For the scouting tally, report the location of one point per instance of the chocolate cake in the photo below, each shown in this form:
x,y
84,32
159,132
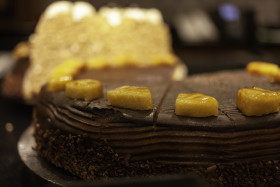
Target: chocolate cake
x,y
94,140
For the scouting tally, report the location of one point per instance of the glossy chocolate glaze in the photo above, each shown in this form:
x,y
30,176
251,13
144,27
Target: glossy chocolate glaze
x,y
162,136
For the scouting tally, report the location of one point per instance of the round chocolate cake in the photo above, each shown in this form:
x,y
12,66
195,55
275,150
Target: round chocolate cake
x,y
92,139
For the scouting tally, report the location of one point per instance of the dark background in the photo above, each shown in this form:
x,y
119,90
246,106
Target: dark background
x,y
254,35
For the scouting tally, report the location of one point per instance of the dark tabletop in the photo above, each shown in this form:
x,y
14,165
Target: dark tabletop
x,y
15,117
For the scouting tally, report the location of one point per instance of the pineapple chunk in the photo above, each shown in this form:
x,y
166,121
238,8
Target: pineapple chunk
x,y
163,59
257,102
63,74
97,63
276,77
132,97
58,83
126,60
85,89
196,105
69,67
263,68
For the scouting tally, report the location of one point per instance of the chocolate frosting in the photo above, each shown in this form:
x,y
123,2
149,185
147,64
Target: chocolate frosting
x,y
159,134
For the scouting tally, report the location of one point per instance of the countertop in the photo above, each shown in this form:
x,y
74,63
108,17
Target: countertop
x,y
15,117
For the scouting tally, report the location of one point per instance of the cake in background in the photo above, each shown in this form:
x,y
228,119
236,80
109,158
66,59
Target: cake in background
x,y
110,37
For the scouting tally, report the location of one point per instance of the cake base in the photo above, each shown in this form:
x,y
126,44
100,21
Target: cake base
x,y
94,161
58,176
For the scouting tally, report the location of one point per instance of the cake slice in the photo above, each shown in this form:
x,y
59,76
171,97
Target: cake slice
x,y
110,38
67,31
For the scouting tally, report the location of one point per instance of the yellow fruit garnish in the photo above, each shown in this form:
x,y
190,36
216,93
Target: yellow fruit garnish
x,y
126,59
262,68
97,63
163,59
85,89
257,102
196,105
276,77
132,97
58,83
68,67
63,74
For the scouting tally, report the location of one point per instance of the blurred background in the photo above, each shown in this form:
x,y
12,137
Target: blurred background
x,y
207,35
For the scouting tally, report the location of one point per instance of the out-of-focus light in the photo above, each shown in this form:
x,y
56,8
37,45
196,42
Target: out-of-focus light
x,y
154,16
196,26
9,127
58,8
134,13
229,12
113,15
81,10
